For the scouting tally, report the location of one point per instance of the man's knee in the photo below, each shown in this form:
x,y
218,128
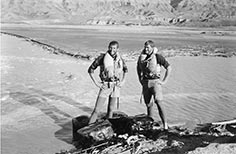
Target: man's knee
x,y
97,109
160,105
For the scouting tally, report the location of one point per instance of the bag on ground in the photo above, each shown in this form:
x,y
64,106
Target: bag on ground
x,y
95,132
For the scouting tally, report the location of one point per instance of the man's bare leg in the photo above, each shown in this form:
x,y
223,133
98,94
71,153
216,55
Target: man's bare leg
x,y
161,113
99,103
147,99
111,106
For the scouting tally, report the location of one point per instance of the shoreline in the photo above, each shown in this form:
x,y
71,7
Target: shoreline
x,y
199,51
119,27
50,48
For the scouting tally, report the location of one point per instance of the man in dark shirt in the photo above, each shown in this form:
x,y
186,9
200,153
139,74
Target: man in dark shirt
x,y
149,74
112,75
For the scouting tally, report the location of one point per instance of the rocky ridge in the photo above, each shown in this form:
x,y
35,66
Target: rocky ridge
x,y
120,12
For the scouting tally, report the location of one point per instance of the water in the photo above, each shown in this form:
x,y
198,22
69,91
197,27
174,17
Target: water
x,y
37,103
200,89
131,39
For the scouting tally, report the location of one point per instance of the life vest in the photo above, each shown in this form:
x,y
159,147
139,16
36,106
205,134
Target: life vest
x,y
113,68
149,66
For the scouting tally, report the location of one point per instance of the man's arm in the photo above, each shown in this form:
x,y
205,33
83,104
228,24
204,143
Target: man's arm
x,y
139,72
97,62
166,76
125,71
163,62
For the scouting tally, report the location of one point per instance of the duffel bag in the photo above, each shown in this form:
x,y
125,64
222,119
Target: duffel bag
x,y
99,131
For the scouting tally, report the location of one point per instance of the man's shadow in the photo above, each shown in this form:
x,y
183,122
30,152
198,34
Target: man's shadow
x,y
39,99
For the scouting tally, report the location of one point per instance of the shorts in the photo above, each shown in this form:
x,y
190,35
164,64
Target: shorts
x,y
109,89
152,87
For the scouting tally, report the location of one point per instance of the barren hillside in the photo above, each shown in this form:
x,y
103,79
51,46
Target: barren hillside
x,y
127,12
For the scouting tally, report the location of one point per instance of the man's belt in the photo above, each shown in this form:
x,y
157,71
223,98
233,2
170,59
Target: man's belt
x,y
110,83
111,80
151,77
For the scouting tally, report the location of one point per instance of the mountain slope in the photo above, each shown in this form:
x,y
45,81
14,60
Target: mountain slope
x,y
137,12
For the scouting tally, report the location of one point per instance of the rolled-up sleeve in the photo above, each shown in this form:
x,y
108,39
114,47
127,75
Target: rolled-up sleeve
x,y
97,62
162,61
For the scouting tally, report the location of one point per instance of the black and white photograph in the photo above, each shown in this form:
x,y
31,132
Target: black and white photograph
x,y
118,77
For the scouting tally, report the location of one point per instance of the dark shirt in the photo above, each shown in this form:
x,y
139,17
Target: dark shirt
x,y
99,62
162,61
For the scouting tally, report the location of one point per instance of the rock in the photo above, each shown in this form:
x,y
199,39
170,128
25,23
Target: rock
x,y
101,22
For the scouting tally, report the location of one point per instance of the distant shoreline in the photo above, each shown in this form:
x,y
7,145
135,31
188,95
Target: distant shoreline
x,y
127,56
50,48
121,27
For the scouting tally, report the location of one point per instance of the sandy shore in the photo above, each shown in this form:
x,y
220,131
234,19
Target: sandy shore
x,y
41,92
